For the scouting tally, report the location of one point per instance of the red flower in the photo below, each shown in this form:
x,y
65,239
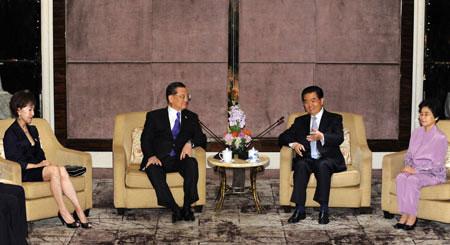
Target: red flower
x,y
247,132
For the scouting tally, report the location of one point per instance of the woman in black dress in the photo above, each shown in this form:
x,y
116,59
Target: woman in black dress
x,y
22,145
13,219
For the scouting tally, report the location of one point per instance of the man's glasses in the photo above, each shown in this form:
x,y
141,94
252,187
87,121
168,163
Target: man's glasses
x,y
184,97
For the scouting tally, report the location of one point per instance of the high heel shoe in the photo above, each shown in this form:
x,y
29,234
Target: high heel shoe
x,y
410,227
87,225
399,226
69,225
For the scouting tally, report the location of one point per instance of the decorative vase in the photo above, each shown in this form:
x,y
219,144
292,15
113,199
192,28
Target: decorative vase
x,y
241,153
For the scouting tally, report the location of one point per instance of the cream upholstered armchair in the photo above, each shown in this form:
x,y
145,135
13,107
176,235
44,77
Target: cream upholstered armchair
x,y
132,188
40,203
434,203
351,188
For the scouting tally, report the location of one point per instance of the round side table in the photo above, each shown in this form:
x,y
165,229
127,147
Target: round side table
x,y
224,189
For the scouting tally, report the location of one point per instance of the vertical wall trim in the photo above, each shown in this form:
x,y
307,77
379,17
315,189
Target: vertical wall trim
x,y
48,111
418,53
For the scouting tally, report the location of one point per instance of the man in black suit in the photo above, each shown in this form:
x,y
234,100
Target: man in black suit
x,y
169,135
315,137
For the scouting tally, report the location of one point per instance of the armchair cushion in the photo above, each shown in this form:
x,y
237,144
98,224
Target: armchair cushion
x,y
138,179
348,178
36,190
345,147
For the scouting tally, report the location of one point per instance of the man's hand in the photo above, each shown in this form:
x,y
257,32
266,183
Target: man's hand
x,y
186,151
44,163
298,148
315,136
408,170
153,161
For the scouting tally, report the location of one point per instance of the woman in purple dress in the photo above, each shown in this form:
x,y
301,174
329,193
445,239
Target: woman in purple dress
x,y
424,164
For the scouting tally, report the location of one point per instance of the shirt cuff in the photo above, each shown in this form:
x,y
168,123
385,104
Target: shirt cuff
x,y
291,145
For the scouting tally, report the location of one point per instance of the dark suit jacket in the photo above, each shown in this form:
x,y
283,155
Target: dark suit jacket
x,y
157,139
332,129
18,148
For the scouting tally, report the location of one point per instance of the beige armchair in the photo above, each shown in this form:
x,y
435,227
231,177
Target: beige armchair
x,y
132,188
40,203
351,188
434,203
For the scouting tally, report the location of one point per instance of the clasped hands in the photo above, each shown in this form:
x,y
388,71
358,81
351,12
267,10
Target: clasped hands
x,y
315,136
408,170
186,151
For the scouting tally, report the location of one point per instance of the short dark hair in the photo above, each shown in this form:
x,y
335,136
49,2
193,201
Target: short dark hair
x,y
172,89
20,100
433,105
313,89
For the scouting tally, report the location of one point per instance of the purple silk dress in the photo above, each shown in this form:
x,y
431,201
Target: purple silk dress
x,y
426,154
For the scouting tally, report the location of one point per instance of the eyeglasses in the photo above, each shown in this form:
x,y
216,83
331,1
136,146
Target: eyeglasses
x,y
184,97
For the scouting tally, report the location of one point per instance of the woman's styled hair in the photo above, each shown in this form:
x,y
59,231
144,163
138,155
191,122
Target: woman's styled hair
x,y
433,105
20,100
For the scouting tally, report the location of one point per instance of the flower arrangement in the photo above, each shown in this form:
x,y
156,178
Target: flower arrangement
x,y
237,137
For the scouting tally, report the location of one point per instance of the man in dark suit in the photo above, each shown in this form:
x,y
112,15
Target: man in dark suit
x,y
315,137
169,135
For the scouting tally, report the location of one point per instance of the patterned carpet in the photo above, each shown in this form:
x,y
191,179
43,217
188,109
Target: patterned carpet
x,y
237,223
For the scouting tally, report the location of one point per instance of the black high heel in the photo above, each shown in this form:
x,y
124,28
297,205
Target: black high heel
x,y
410,227
69,225
399,226
87,225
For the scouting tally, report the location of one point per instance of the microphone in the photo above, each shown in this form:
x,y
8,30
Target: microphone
x,y
215,137
212,134
265,131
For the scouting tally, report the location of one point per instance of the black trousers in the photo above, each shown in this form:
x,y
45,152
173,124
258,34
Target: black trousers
x,y
13,219
187,168
322,168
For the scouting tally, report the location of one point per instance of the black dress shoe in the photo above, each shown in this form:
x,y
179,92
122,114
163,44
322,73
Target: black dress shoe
x,y
297,216
176,216
187,213
323,218
399,226
410,227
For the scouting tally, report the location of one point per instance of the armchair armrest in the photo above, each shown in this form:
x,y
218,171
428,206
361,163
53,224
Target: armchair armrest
x,y
66,156
363,161
200,155
10,172
286,156
392,164
119,169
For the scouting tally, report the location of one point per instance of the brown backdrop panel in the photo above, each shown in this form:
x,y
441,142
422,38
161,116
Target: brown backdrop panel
x,y
97,92
190,30
358,30
103,30
370,90
207,85
270,91
277,30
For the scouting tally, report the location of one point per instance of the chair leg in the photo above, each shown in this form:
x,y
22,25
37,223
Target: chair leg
x,y
365,210
87,211
121,211
387,215
287,209
198,209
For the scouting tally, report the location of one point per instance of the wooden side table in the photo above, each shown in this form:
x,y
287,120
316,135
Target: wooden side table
x,y
224,189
